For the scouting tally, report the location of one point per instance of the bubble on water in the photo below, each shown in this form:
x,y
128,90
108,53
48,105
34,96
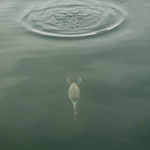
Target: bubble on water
x,y
73,19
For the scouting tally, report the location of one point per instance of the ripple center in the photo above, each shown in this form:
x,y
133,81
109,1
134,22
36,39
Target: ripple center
x,y
66,19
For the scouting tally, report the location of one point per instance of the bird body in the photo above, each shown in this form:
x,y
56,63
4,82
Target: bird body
x,y
74,94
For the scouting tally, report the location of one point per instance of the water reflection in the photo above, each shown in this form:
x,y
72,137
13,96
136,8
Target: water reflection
x,y
74,94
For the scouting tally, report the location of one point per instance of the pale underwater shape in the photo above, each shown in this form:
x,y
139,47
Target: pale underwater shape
x,y
74,94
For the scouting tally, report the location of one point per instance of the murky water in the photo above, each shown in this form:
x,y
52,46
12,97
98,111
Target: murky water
x,y
44,42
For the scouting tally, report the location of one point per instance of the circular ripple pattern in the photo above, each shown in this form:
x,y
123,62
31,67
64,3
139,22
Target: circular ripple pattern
x,y
66,19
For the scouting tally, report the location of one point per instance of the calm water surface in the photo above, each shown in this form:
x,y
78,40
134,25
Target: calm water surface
x,y
114,107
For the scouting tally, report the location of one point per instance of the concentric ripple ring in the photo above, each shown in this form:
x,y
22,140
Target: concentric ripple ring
x,y
73,19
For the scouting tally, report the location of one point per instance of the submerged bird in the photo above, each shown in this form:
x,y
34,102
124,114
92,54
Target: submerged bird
x,y
74,93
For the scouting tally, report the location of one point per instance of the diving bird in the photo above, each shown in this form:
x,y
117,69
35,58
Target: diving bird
x,y
74,94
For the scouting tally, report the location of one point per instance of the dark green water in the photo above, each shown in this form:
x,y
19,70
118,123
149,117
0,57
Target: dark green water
x,y
114,107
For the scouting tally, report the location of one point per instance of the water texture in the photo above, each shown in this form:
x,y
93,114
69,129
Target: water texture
x,y
36,108
73,19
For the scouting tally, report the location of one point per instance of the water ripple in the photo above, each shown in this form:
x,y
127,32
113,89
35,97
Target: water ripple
x,y
78,19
